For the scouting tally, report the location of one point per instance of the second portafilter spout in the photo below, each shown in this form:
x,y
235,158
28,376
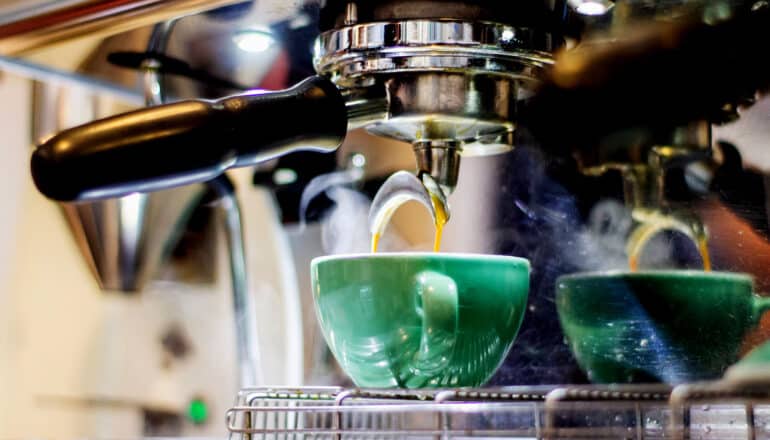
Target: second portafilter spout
x,y
643,162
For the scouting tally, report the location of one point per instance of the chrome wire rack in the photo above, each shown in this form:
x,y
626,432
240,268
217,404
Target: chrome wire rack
x,y
698,411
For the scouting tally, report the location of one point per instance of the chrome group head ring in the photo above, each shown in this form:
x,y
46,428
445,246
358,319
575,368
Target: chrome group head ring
x,y
354,52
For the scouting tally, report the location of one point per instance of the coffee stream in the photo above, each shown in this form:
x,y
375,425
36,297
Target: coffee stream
x,y
651,225
441,219
704,253
637,243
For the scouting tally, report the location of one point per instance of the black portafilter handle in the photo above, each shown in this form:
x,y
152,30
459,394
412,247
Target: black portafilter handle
x,y
188,141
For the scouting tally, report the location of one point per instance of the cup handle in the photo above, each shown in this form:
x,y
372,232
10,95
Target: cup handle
x,y
437,305
761,305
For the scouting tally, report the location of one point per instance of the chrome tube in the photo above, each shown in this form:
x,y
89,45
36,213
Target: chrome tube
x,y
249,371
102,18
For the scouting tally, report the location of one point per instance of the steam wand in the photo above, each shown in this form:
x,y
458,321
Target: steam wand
x,y
247,342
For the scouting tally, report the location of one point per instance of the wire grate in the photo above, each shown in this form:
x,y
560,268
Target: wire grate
x,y
699,411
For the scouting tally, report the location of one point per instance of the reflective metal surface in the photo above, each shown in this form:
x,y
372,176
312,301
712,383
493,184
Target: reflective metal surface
x,y
701,411
46,26
442,79
124,240
246,339
446,83
440,106
441,160
357,51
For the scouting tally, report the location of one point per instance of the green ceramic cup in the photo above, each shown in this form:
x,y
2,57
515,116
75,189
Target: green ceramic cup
x,y
420,319
657,326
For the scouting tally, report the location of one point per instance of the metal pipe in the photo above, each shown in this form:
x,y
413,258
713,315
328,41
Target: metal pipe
x,y
94,18
44,74
153,89
244,313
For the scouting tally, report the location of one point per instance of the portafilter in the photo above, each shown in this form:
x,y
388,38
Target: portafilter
x,y
450,86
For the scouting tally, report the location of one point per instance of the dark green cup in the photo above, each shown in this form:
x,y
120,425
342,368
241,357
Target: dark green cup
x,y
667,326
420,319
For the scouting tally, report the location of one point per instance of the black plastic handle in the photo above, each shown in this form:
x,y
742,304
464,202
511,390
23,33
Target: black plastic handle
x,y
189,141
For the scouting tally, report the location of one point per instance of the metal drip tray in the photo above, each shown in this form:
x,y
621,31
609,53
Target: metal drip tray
x,y
702,411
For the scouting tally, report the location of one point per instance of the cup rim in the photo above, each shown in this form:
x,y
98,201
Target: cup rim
x,y
680,274
421,255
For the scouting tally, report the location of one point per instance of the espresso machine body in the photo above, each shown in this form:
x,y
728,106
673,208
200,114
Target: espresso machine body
x,y
577,130
118,315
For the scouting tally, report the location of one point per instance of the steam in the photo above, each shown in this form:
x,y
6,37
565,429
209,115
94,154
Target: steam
x,y
547,226
608,227
345,228
600,245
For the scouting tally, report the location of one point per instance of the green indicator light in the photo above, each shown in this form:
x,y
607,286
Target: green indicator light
x,y
198,411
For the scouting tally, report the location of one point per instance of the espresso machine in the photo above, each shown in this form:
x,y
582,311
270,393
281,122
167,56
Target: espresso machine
x,y
605,131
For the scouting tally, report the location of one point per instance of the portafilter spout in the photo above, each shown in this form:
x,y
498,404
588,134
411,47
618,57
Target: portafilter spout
x,y
440,160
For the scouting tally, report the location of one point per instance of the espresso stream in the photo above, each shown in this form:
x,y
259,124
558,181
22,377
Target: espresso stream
x,y
440,221
701,242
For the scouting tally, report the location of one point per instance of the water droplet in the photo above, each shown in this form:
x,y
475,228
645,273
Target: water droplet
x,y
706,408
619,357
532,308
643,343
618,418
